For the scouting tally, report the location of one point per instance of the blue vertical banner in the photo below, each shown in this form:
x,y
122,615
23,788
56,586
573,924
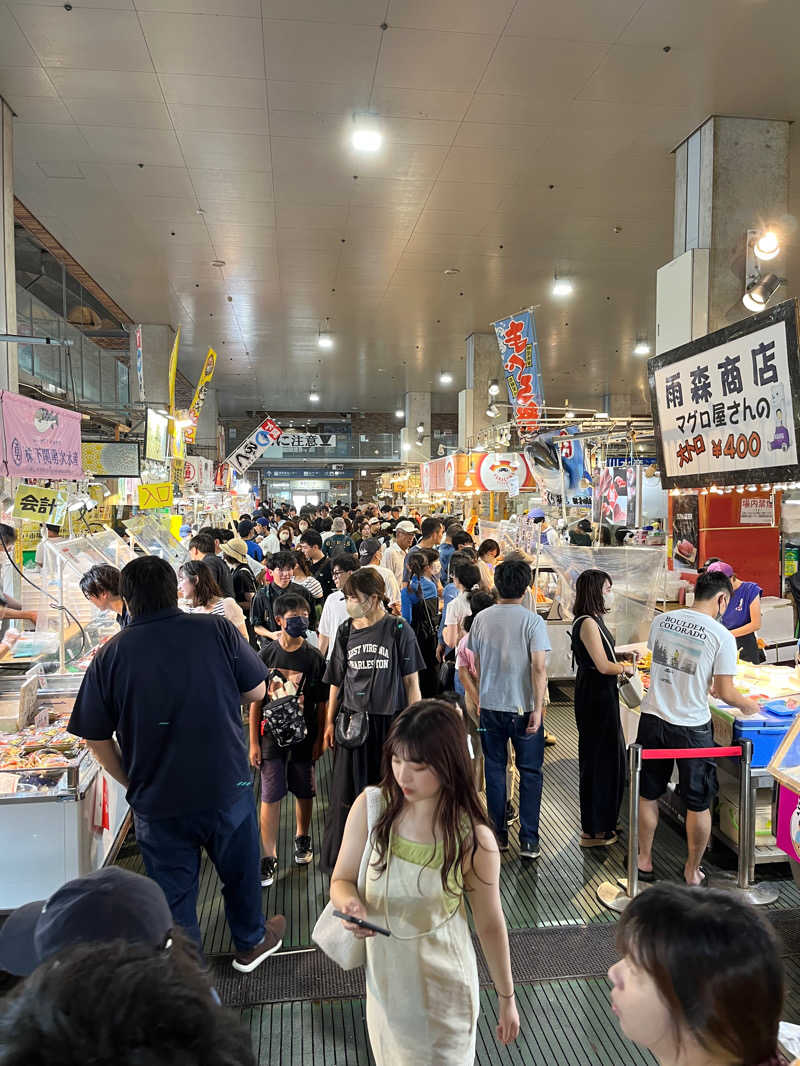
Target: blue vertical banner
x,y
516,337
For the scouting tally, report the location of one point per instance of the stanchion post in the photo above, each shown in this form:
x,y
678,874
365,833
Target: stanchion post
x,y
635,773
745,815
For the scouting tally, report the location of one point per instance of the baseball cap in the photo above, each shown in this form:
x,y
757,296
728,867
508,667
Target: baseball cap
x,y
368,547
235,549
405,527
245,527
720,568
536,513
109,904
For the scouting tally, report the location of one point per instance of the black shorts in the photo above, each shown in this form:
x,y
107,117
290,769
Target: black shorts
x,y
697,778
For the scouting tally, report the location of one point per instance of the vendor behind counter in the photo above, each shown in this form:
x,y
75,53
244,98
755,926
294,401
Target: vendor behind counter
x,y
743,616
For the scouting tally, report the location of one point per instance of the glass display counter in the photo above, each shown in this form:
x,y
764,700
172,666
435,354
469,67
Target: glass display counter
x,y
155,539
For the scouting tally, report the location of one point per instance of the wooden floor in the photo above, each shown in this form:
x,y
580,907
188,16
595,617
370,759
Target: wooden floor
x,y
565,1020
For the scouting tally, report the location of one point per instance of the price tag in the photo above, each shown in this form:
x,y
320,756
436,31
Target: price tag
x,y
42,719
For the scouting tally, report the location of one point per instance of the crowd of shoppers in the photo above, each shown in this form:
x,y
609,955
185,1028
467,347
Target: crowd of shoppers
x,y
395,602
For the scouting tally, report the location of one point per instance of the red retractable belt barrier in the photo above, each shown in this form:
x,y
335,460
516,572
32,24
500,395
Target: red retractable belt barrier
x,y
690,753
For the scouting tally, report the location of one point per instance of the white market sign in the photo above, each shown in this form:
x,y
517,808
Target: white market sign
x,y
307,440
263,436
726,406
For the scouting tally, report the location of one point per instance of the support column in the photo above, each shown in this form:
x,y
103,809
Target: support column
x,y
418,411
9,378
156,349
731,175
483,364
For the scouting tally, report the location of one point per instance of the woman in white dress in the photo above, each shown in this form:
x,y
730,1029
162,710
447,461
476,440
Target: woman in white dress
x,y
197,586
431,851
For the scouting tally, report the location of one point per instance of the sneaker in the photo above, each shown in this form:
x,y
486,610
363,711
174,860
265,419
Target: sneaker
x,y
269,867
302,851
549,740
502,842
246,961
528,850
511,814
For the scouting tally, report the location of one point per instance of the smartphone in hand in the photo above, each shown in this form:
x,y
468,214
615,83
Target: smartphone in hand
x,y
362,923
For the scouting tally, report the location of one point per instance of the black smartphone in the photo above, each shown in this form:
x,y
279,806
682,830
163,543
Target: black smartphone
x,y
362,923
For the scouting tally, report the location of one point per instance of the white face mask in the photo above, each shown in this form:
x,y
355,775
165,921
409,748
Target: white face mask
x,y
608,600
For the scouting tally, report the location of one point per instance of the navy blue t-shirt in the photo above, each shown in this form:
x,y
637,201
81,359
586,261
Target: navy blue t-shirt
x,y
169,686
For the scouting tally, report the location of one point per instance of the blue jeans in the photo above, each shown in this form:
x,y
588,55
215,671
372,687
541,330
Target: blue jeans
x,y
497,728
171,847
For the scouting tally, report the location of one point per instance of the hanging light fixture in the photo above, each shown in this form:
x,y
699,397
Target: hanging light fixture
x,y
758,296
445,378
767,246
494,387
562,286
367,136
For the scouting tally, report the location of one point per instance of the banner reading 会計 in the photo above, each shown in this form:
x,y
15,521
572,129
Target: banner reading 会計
x,y
40,440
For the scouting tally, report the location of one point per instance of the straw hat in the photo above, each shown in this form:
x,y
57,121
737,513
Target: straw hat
x,y
235,548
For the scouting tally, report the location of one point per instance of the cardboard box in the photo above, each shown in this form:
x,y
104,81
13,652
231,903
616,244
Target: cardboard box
x,y
729,814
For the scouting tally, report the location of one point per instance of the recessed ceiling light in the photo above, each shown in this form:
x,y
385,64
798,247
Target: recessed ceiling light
x,y
562,286
450,272
313,397
446,378
366,135
399,413
641,348
325,340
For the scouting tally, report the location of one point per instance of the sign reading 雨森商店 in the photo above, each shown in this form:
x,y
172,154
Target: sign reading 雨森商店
x,y
726,407
40,440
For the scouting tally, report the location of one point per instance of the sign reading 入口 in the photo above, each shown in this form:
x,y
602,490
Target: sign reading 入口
x,y
726,406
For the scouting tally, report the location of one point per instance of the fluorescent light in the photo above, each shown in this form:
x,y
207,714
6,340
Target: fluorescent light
x,y
446,378
562,286
406,446
494,387
325,340
767,246
399,413
313,397
601,414
641,348
366,136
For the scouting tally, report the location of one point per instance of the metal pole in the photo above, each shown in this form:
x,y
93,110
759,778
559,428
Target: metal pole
x,y
635,773
745,815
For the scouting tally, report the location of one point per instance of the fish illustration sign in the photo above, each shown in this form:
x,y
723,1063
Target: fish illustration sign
x,y
40,440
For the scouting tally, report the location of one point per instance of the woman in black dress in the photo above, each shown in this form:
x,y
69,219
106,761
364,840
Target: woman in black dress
x,y
601,747
374,667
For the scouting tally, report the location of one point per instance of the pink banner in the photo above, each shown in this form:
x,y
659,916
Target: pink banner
x,y
40,440
788,834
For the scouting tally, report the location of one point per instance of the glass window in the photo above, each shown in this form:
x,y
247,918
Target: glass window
x,y
108,373
91,374
123,393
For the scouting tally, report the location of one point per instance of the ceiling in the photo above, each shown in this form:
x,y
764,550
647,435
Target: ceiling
x,y
518,136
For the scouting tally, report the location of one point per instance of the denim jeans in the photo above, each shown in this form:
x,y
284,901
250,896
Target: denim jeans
x,y
497,728
171,848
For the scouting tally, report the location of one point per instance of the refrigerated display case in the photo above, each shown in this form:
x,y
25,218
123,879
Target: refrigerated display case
x,y
155,539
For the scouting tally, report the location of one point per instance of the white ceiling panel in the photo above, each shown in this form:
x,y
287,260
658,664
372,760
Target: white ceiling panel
x,y
456,222
244,212
24,81
228,235
467,16
319,98
157,180
254,186
39,109
204,44
354,12
231,8
308,124
105,84
14,48
40,142
78,38
376,192
466,196
500,135
222,119
546,70
201,90
67,171
227,151
416,103
147,114
574,20
291,217
678,78
430,59
126,144
320,52
509,167
174,209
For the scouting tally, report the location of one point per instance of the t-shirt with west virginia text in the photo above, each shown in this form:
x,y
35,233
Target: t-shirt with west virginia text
x,y
370,664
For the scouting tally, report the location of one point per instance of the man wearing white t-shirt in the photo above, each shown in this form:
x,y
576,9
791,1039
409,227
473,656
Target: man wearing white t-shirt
x,y
335,610
691,650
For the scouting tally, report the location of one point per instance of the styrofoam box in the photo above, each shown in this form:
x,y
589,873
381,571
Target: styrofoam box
x,y
729,814
777,620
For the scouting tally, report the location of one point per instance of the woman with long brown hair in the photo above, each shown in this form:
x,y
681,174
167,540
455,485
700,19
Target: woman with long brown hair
x,y
431,851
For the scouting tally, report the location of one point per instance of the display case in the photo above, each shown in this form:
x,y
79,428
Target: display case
x,y
155,539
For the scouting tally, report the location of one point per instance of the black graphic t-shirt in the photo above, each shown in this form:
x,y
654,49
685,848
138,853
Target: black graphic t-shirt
x,y
286,670
370,664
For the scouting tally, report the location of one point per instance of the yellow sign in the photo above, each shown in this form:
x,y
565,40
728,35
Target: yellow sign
x,y
34,504
156,494
173,370
206,375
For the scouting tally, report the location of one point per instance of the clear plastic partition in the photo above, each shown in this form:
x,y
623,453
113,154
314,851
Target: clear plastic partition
x,y
505,533
637,576
113,547
156,539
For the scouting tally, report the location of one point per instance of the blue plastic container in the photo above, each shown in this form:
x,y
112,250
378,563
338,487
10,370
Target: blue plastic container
x,y
766,730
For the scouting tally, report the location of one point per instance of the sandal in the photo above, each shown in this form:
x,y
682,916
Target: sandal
x,y
598,842
646,876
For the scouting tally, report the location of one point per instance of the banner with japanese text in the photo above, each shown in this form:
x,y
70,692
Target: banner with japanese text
x,y
198,399
726,406
41,441
265,434
516,336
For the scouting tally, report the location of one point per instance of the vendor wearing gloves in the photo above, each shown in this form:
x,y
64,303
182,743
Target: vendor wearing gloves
x,y
743,616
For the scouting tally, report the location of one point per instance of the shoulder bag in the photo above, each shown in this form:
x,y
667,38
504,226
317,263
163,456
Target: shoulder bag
x,y
284,719
329,932
631,689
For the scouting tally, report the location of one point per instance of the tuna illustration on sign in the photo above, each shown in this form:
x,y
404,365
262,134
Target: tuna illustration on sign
x,y
45,419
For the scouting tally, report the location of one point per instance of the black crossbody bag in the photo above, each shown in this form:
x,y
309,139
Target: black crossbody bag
x,y
351,726
284,719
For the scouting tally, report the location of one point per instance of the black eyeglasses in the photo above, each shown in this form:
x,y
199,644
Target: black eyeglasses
x,y
338,573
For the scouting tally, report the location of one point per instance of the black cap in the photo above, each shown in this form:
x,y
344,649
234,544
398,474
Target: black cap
x,y
368,547
109,904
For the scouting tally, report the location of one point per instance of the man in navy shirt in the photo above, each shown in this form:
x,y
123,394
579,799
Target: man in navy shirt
x,y
170,686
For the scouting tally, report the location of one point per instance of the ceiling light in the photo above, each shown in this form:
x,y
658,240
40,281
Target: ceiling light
x,y
366,136
758,296
450,272
406,446
641,347
420,427
325,340
562,286
492,411
445,378
494,387
601,414
313,397
468,481
767,246
399,413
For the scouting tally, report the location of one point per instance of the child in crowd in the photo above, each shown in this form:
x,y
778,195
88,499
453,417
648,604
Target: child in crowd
x,y
295,669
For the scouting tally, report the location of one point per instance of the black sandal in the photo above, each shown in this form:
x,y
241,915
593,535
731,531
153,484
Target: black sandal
x,y
646,876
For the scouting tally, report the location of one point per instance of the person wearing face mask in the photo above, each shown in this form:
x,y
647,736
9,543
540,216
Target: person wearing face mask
x,y
601,745
420,608
691,651
295,669
700,981
374,668
262,607
287,536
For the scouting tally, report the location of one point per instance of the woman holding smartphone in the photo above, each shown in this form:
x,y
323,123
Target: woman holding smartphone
x,y
431,851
